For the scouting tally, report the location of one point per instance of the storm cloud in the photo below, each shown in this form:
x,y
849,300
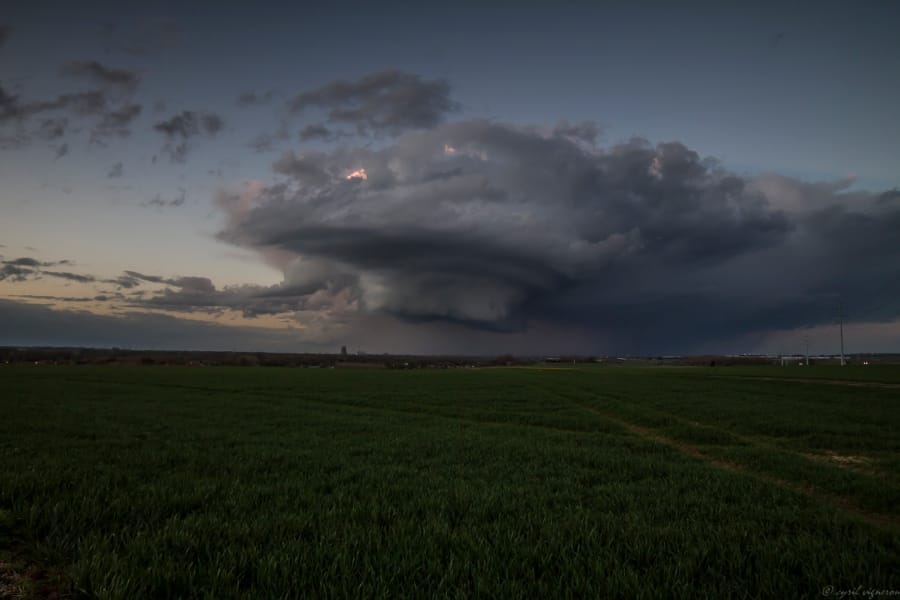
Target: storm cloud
x,y
494,226
390,101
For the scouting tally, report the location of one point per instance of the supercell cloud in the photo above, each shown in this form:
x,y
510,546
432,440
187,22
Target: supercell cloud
x,y
495,226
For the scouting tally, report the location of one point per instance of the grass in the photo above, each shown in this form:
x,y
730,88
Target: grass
x,y
284,483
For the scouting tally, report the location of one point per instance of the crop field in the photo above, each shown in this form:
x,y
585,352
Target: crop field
x,y
119,482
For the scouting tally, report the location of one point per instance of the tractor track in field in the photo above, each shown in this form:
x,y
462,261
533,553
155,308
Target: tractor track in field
x,y
877,520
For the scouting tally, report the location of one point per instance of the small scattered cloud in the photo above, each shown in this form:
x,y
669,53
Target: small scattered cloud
x,y
104,115
26,268
116,122
116,171
77,277
14,108
189,283
27,261
389,102
182,127
15,273
99,74
159,202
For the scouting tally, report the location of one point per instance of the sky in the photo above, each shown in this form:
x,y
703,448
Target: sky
x,y
529,178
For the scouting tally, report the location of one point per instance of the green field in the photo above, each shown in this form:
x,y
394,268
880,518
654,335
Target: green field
x,y
599,482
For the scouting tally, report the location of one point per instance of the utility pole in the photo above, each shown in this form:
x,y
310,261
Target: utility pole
x,y
806,339
841,317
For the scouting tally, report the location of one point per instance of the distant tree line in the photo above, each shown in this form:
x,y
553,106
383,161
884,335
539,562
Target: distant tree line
x,y
123,356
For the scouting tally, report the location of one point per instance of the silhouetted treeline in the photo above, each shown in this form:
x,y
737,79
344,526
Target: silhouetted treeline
x,y
122,356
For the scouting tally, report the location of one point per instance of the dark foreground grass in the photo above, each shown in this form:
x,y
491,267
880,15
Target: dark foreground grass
x,y
277,483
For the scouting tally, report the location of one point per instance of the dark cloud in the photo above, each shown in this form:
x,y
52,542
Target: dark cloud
x,y
249,300
5,33
180,128
99,74
196,284
188,124
124,281
497,227
105,116
389,101
27,261
25,268
116,171
159,202
12,272
81,103
70,276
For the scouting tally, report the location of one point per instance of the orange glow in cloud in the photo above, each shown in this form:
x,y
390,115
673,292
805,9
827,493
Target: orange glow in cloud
x,y
357,174
448,149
